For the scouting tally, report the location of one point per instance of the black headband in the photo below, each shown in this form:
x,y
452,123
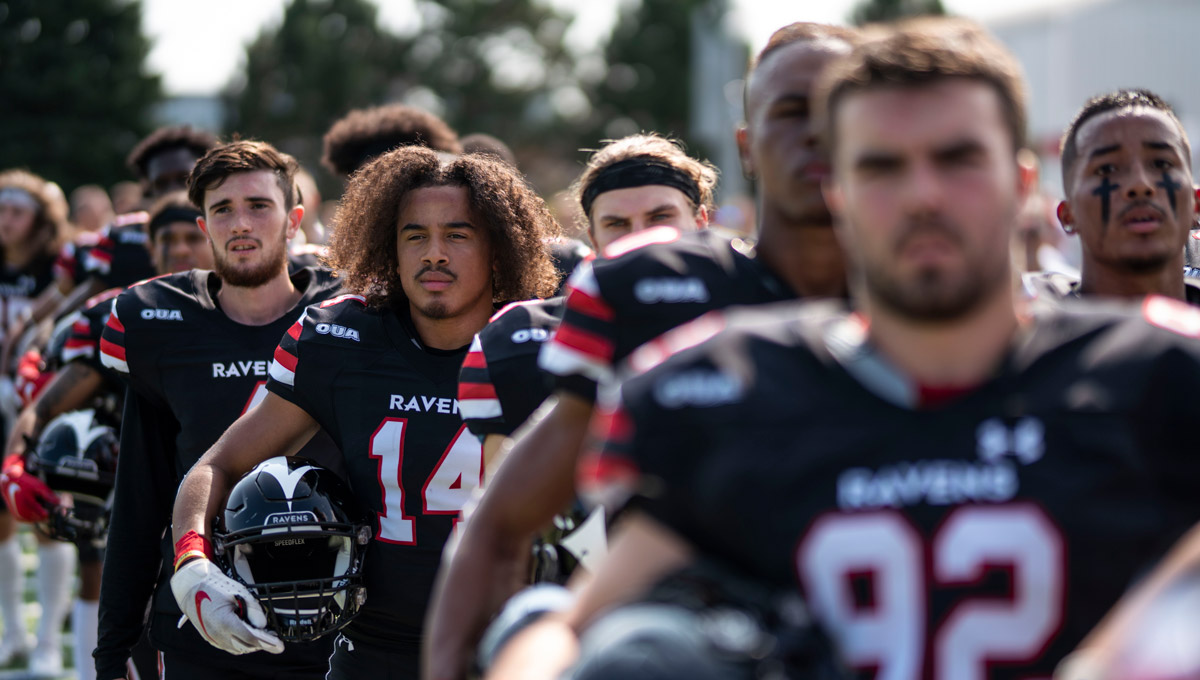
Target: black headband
x,y
172,214
638,172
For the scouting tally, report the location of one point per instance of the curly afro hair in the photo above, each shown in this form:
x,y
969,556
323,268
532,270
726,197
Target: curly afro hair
x,y
164,139
365,133
363,246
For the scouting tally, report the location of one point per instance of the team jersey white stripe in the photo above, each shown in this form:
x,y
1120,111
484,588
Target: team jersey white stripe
x,y
480,409
114,363
564,361
69,355
282,374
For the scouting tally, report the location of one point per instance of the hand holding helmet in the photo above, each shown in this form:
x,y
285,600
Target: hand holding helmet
x,y
76,457
28,498
221,609
293,536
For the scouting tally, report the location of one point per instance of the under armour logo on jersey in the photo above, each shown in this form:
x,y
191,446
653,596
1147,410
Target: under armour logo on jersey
x,y
337,331
1024,440
650,291
162,314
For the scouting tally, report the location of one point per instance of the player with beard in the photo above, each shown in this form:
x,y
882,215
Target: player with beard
x,y
1127,174
194,348
958,486
606,317
426,246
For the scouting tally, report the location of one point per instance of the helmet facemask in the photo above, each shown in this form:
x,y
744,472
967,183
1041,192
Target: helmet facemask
x,y
291,551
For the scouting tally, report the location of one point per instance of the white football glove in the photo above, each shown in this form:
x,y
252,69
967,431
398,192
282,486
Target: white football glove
x,y
223,610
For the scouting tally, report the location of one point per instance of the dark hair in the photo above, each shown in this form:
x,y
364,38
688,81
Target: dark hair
x,y
164,139
1113,101
363,134
50,222
804,31
363,247
479,142
921,51
174,207
242,156
650,146
794,33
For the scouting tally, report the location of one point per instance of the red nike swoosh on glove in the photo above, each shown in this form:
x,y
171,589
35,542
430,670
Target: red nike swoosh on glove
x,y
200,597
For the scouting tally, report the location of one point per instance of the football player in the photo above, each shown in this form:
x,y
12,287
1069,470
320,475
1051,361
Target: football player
x,y
1127,175
118,255
426,246
194,348
650,283
82,382
941,470
628,186
31,224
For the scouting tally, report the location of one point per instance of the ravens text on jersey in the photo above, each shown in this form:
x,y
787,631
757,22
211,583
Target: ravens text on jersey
x,y
191,371
950,540
391,406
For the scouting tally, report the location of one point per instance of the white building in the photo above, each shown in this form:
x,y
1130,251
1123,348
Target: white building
x,y
1074,50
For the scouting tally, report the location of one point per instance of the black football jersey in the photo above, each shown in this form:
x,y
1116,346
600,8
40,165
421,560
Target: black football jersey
x,y
19,287
174,344
1053,286
191,372
977,537
650,282
500,385
82,344
119,255
86,328
390,405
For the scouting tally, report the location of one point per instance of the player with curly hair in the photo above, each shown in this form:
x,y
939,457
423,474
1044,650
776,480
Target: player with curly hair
x,y
426,248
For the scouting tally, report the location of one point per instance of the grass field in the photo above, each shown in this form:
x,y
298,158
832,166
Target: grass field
x,y
33,612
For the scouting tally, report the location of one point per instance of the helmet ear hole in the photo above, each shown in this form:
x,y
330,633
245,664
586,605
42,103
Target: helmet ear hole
x,y
292,534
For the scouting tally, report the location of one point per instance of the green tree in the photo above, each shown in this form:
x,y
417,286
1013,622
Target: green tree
x,y
76,95
871,11
648,83
499,67
325,58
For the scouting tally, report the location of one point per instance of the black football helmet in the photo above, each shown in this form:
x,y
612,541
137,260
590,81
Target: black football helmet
x,y
76,456
292,533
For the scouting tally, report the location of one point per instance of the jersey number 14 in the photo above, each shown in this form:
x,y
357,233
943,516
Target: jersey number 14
x,y
446,490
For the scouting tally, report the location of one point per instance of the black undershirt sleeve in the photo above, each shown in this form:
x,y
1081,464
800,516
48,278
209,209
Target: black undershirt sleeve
x,y
142,506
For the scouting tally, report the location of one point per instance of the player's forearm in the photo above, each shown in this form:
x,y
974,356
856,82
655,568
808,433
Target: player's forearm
x,y
70,389
276,427
200,497
543,651
485,569
23,427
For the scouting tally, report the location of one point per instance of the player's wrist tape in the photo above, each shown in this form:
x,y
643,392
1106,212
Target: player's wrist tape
x,y
191,546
